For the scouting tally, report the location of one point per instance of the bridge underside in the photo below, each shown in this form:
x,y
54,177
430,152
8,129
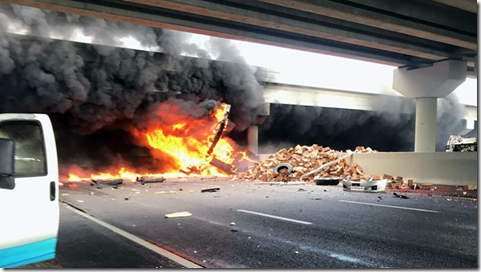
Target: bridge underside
x,y
412,33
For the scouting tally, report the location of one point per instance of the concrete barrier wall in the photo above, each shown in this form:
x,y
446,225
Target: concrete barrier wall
x,y
443,168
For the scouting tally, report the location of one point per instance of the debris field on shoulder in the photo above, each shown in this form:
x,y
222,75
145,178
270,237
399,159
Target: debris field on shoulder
x,y
294,163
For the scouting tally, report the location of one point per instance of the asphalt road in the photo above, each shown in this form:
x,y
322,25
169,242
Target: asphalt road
x,y
85,244
304,226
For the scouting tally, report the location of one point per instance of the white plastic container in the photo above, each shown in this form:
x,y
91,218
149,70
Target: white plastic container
x,y
368,186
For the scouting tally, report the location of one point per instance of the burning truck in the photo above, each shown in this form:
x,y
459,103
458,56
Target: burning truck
x,y
192,147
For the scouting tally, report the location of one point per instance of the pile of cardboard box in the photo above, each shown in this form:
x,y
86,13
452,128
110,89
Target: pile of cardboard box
x,y
305,159
398,182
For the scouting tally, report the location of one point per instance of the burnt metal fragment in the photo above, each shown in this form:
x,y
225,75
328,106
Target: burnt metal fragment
x,y
222,165
401,196
210,190
108,181
145,180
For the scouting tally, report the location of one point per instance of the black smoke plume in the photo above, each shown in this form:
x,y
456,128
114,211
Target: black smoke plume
x,y
93,92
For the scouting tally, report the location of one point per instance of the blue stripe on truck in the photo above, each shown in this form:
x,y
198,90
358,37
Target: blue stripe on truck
x,y
27,254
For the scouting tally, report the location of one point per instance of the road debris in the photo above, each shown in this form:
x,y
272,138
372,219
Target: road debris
x,y
222,165
107,181
307,163
146,179
210,190
328,181
232,223
81,201
178,214
301,190
401,196
370,185
127,198
472,187
316,198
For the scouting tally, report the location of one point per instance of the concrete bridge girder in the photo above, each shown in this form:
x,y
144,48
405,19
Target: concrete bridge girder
x,y
391,33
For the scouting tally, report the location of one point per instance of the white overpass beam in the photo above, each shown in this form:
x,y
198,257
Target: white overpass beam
x,y
327,98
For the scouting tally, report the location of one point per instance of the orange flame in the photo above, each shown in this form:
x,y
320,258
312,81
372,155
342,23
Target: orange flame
x,y
183,142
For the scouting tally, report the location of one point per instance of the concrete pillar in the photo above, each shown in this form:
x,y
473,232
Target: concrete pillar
x,y
425,139
263,112
426,85
253,139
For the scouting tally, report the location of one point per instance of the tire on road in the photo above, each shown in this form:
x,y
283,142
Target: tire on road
x,y
281,166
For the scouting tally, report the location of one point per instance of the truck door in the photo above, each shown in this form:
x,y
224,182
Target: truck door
x,y
29,213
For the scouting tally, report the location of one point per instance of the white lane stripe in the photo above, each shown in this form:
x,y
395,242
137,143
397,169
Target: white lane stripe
x,y
277,217
169,255
389,206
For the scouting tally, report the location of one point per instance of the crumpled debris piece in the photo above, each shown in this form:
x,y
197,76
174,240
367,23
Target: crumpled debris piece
x,y
210,190
178,214
401,196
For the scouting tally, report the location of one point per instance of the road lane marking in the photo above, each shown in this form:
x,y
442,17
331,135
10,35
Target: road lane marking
x,y
169,255
389,206
277,217
344,258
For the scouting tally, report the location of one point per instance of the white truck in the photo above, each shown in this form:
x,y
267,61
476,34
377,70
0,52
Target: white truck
x,y
457,143
28,190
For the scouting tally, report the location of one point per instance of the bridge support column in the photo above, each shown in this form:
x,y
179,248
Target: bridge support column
x,y
253,139
425,138
426,85
253,131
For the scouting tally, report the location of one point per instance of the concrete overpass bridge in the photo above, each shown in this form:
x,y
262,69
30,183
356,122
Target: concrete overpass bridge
x,y
411,33
277,91
433,42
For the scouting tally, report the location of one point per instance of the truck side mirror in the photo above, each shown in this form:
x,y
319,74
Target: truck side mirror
x,y
7,164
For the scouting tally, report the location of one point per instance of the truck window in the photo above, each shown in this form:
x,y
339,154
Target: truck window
x,y
30,158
